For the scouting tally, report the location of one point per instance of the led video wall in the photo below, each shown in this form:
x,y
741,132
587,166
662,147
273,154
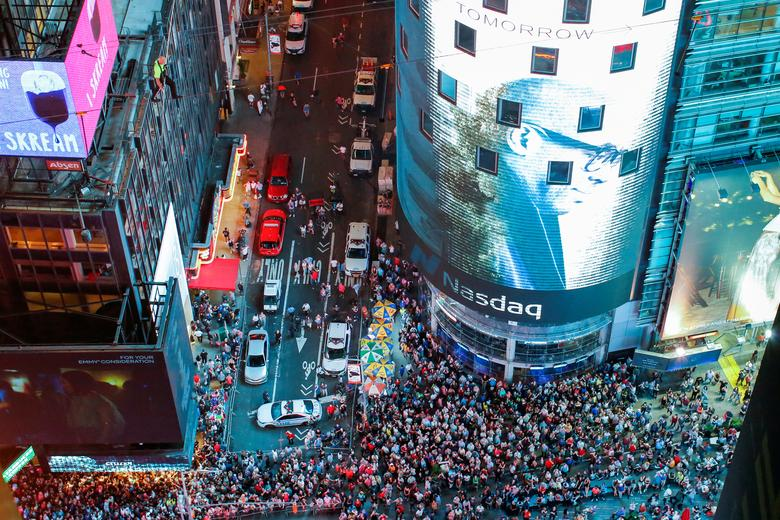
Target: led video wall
x,y
729,263
526,168
51,108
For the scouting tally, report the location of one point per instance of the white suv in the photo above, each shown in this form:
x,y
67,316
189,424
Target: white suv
x,y
358,250
334,359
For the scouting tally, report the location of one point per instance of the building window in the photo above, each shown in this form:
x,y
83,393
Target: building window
x,y
732,126
748,20
465,38
404,42
487,160
576,11
35,237
414,7
544,61
591,118
509,112
629,161
559,172
496,5
623,57
426,125
653,6
448,87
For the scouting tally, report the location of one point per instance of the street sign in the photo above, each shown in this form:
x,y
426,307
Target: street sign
x,y
17,465
275,43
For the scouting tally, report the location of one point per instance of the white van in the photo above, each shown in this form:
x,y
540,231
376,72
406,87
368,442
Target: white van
x,y
334,358
297,30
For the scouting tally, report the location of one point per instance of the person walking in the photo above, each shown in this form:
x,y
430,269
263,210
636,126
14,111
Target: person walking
x,y
290,437
306,110
315,275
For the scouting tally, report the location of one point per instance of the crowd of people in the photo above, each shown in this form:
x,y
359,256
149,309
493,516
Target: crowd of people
x,y
443,443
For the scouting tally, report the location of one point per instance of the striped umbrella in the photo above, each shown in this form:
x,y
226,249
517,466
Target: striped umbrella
x,y
380,329
383,369
374,386
383,310
367,341
374,353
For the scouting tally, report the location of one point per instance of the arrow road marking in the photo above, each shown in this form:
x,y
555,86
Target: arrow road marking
x,y
284,308
301,341
306,389
324,246
332,176
252,413
343,120
300,435
334,149
308,367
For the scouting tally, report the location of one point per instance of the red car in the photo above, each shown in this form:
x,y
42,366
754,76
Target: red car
x,y
279,178
272,232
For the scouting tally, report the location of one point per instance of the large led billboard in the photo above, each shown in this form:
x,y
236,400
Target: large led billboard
x,y
527,160
51,108
86,398
89,61
729,263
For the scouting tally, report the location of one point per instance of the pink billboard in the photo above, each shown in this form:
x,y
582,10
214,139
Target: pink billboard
x,y
89,61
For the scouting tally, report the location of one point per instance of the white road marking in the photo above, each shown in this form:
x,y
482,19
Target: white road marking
x,y
322,331
281,327
301,340
303,169
260,272
314,87
308,368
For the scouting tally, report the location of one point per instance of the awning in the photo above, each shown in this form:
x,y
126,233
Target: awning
x,y
219,275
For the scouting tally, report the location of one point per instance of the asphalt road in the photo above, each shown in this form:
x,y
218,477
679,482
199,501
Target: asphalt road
x,y
313,144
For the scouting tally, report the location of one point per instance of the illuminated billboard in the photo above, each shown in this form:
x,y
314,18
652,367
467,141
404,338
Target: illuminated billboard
x,y
729,263
80,397
51,108
89,61
526,187
38,118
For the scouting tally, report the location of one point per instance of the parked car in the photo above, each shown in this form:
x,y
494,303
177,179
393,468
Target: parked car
x,y
279,178
297,31
334,358
302,5
272,232
256,368
357,252
289,413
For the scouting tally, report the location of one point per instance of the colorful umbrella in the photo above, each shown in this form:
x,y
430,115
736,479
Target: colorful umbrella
x,y
374,353
374,386
367,341
383,369
380,329
384,310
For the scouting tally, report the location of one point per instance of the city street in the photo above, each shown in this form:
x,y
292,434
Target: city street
x,y
316,163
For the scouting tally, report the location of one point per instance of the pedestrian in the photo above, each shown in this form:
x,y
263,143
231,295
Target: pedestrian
x,y
251,98
291,207
318,321
310,227
331,409
277,337
323,389
343,152
293,101
226,234
306,110
302,230
281,90
290,437
240,287
297,74
315,275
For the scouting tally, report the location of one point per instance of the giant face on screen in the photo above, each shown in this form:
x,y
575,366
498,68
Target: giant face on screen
x,y
729,263
529,200
76,398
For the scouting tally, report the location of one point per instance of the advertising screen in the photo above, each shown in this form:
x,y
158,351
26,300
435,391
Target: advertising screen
x,y
37,115
72,398
528,198
729,263
89,61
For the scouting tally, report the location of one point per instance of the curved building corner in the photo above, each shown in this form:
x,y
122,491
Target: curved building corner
x,y
528,139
